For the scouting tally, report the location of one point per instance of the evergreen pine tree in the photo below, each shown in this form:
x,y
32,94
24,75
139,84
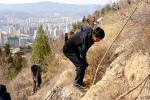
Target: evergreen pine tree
x,y
40,47
7,48
84,19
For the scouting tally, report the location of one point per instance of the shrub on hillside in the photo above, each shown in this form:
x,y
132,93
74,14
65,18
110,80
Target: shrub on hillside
x,y
94,57
9,59
76,25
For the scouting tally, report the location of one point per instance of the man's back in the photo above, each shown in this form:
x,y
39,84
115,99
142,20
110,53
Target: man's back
x,y
35,69
4,95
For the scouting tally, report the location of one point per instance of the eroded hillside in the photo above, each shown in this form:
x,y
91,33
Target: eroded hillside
x,y
125,66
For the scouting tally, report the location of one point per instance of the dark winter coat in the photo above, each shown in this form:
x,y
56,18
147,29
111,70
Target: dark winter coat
x,y
4,95
79,43
34,71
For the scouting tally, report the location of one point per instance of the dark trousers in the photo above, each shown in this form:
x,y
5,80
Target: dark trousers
x,y
39,81
80,66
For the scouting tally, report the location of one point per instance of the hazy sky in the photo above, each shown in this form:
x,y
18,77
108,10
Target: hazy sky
x,y
79,2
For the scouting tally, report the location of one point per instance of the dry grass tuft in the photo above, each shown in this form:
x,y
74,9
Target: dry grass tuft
x,y
95,55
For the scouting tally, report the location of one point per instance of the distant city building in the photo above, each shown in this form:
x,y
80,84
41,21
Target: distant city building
x,y
5,27
31,30
23,41
58,33
35,33
56,26
67,19
22,30
17,26
18,31
12,31
68,26
13,41
3,38
50,27
51,33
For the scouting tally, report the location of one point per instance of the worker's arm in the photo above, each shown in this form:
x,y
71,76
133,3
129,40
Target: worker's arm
x,y
34,76
37,74
82,50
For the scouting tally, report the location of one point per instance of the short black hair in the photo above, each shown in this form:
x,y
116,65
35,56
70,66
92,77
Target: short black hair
x,y
98,32
33,68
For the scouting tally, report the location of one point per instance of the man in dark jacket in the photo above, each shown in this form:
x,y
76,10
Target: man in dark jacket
x,y
4,95
76,47
36,73
66,37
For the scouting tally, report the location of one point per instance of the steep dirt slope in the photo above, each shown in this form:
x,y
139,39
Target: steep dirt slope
x,y
128,66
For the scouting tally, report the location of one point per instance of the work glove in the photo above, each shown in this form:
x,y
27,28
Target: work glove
x,y
88,68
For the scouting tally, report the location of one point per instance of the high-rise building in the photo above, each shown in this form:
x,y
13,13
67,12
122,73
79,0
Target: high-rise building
x,y
23,41
58,32
3,38
5,27
22,30
18,31
51,33
12,31
31,30
17,26
13,41
56,26
35,33
50,27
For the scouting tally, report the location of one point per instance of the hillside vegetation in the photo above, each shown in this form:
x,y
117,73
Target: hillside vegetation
x,y
125,66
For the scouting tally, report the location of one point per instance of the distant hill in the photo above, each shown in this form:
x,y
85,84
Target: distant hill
x,y
47,9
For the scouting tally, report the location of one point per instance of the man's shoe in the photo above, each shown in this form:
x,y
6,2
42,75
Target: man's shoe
x,y
81,85
34,92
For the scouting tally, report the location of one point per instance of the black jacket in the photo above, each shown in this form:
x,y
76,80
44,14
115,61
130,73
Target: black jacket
x,y
79,43
66,38
34,71
4,95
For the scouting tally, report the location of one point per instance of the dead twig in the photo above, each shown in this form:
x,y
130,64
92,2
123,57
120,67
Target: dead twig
x,y
141,89
126,93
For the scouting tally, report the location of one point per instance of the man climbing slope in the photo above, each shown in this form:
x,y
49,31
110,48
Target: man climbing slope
x,y
76,48
36,73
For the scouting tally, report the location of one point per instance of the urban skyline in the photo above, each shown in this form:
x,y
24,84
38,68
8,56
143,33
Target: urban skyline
x,y
23,32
